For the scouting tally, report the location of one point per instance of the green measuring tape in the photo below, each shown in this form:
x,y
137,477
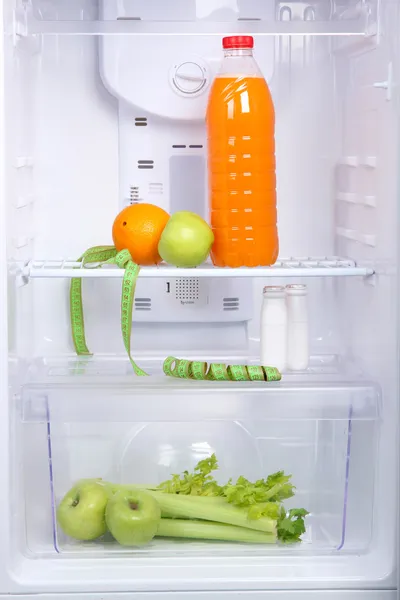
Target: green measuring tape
x,y
186,369
173,367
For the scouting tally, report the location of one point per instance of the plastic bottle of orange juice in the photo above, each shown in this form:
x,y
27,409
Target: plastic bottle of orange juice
x,y
241,161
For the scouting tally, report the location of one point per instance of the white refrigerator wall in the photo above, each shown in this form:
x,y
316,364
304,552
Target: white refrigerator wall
x,y
367,225
337,156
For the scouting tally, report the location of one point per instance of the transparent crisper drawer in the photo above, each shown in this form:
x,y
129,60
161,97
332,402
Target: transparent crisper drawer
x,y
142,432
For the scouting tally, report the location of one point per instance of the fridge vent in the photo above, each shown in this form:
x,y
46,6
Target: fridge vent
x,y
231,304
145,164
134,195
156,188
142,303
187,290
141,122
192,146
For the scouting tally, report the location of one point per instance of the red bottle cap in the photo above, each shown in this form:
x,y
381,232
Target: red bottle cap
x,y
238,41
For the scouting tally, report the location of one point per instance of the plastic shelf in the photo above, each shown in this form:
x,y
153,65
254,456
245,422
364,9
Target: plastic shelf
x,y
136,26
285,267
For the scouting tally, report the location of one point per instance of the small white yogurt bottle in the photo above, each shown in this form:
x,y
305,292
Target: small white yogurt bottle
x,y
274,332
298,333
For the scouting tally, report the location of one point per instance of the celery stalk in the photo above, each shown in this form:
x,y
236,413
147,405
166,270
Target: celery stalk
x,y
208,530
177,506
210,509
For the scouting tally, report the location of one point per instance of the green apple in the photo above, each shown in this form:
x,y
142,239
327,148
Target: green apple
x,y
133,517
186,240
81,513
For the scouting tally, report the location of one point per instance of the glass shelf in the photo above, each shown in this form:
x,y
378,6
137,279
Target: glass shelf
x,y
285,267
137,26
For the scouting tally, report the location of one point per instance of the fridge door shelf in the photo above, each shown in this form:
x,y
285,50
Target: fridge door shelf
x,y
145,430
285,267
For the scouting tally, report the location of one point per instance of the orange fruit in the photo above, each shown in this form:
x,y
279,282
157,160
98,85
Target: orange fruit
x,y
138,228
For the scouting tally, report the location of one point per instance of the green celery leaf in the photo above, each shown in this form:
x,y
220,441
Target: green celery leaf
x,y
206,466
275,488
198,483
291,525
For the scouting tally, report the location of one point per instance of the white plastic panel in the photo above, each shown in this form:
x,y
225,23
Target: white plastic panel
x,y
177,10
54,10
156,95
190,10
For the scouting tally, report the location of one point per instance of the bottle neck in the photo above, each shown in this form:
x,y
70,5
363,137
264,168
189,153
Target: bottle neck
x,y
239,62
238,52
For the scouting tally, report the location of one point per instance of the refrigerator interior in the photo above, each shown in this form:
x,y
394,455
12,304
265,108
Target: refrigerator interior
x,y
94,90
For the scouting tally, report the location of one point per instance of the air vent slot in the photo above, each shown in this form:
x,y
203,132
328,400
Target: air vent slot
x,y
156,189
134,194
231,304
187,290
145,164
192,146
141,122
143,304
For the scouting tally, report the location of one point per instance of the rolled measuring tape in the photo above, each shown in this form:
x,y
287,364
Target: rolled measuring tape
x,y
202,371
